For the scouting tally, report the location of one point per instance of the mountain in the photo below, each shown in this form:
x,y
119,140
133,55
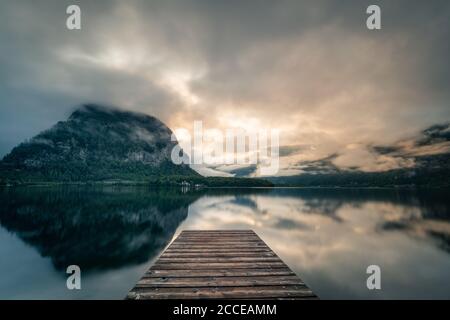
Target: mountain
x,y
426,155
405,177
107,145
96,143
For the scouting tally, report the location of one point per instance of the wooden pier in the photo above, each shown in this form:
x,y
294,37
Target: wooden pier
x,y
219,264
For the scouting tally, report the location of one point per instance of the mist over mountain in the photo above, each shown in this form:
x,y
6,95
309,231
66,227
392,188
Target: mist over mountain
x,y
95,143
99,144
104,144
425,161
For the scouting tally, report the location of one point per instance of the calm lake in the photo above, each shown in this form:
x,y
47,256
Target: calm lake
x,y
327,236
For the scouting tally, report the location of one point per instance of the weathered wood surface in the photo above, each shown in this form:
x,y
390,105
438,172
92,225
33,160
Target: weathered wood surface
x,y
219,264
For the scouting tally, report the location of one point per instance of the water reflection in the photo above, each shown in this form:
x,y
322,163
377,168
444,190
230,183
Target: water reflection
x,y
94,228
330,236
327,236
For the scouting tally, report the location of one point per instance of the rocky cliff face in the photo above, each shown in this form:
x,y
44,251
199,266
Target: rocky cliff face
x,y
95,143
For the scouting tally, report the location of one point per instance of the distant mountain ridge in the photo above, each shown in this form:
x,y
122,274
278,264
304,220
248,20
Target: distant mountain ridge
x,y
429,152
96,143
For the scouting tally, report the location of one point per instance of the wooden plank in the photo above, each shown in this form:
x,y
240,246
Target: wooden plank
x,y
219,264
210,254
218,246
263,292
198,282
216,234
218,231
177,250
219,243
206,235
218,239
222,252
221,240
185,273
224,236
217,259
201,237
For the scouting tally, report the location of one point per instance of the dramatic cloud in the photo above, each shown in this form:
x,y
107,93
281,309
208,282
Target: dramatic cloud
x,y
308,68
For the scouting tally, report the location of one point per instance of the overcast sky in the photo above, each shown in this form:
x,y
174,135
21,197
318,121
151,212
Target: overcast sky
x,y
308,68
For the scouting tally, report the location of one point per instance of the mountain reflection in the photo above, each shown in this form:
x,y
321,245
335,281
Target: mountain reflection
x,y
420,214
95,228
327,236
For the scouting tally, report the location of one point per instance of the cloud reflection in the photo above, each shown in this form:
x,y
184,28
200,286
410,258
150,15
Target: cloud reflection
x,y
329,237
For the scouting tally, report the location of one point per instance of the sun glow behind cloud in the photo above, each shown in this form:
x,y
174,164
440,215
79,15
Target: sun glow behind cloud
x,y
307,68
178,81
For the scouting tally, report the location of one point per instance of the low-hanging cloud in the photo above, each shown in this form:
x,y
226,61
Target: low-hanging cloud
x,y
309,68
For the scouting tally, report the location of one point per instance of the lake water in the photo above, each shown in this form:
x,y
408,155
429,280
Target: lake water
x,y
327,236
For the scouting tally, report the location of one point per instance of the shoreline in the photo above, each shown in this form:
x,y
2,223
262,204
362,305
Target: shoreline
x,y
147,184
